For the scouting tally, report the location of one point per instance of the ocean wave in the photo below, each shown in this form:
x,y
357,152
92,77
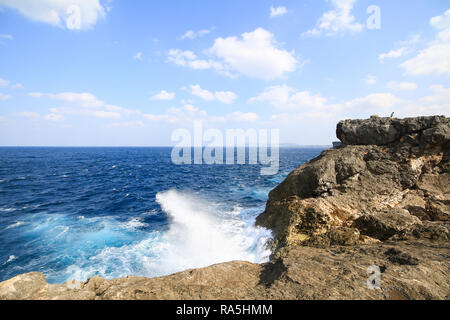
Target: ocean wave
x,y
199,234
15,225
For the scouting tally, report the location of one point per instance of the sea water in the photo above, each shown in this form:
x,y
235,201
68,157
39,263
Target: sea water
x,y
73,213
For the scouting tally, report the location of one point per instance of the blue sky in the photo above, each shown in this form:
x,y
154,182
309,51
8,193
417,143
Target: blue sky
x,y
128,73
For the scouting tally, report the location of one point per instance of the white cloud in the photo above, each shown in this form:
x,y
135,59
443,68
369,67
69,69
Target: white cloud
x,y
191,34
438,103
35,115
85,104
163,95
226,97
6,36
3,82
370,79
128,124
255,54
442,23
61,13
29,114
337,20
138,56
85,100
301,105
243,117
4,97
435,58
187,113
196,90
53,117
397,53
402,86
107,114
285,97
189,59
17,86
441,94
375,101
277,12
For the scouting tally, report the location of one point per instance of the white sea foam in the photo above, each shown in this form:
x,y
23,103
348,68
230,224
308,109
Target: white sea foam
x,y
135,223
11,258
199,234
15,225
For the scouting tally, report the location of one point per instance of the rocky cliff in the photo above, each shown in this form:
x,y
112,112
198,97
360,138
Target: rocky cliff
x,y
381,199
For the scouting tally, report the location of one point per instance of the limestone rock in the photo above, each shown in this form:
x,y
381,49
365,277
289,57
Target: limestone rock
x,y
380,199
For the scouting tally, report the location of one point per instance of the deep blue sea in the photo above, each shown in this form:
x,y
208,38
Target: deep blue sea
x,y
73,213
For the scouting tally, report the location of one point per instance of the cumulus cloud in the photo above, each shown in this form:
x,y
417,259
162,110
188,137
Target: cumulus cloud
x,y
163,95
255,54
127,124
138,56
35,115
187,113
191,34
435,58
395,53
17,86
402,86
53,117
285,97
72,14
29,114
85,104
440,94
337,20
370,79
3,82
4,97
438,102
226,97
298,105
6,36
277,12
85,100
189,59
242,116
374,101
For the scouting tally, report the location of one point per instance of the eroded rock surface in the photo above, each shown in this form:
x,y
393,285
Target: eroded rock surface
x,y
381,199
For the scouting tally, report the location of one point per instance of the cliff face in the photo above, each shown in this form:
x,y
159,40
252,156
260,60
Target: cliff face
x,y
389,180
381,199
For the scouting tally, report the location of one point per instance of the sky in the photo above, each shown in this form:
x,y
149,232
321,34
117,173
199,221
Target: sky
x,y
130,73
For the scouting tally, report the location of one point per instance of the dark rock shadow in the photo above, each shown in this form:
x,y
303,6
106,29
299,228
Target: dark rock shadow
x,y
271,272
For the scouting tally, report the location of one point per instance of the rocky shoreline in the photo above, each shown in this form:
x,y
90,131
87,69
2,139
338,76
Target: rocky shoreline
x,y
380,200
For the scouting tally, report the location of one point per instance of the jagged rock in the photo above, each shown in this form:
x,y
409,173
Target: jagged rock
x,y
383,131
375,183
383,225
380,199
295,273
400,257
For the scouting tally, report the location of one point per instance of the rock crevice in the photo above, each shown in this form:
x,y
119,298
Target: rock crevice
x,y
382,199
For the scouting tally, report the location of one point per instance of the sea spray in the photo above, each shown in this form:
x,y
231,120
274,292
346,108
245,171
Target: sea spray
x,y
200,235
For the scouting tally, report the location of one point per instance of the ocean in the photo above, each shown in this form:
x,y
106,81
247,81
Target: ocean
x,y
73,213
